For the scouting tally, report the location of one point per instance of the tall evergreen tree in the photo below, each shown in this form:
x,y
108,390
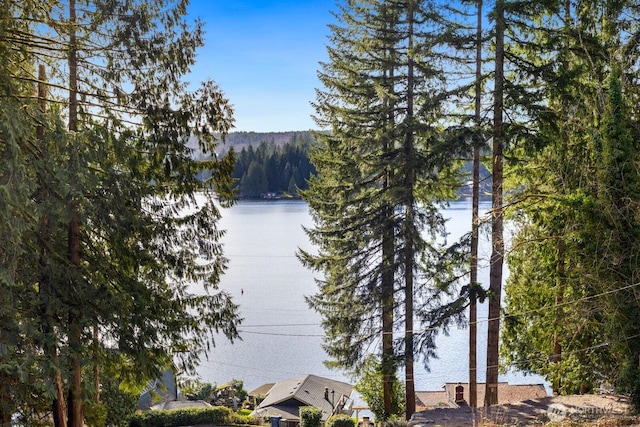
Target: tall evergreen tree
x,y
564,59
379,179
15,130
551,223
618,266
475,216
130,189
497,213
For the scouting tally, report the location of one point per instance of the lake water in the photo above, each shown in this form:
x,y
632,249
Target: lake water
x,y
281,336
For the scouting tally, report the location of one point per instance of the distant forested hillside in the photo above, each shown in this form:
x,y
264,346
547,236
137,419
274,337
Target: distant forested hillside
x,y
240,140
271,165
276,164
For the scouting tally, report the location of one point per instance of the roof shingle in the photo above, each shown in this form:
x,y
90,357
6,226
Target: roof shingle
x,y
308,390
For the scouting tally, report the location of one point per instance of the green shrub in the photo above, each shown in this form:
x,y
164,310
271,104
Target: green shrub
x,y
340,420
310,416
199,391
95,414
238,418
217,415
395,421
367,386
120,404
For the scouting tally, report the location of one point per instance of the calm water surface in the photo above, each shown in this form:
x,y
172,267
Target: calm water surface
x,y
281,336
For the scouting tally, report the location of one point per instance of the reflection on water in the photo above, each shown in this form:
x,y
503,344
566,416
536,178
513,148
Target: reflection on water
x,y
281,336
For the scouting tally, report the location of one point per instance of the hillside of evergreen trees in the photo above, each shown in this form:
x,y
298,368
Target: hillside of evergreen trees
x,y
240,140
270,168
276,165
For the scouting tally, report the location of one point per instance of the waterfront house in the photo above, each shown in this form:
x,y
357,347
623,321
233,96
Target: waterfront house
x,y
163,389
286,397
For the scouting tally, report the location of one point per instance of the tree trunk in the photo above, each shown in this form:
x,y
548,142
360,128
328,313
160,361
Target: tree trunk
x,y
475,222
388,359
50,348
74,404
96,367
409,185
389,363
561,280
5,401
557,345
497,242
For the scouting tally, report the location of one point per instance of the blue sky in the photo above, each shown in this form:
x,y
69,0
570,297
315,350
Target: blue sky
x,y
264,55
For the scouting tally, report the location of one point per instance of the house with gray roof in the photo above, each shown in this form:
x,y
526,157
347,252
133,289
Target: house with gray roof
x,y
286,397
257,395
162,389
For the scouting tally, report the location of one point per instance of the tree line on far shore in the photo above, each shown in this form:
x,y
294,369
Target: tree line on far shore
x,y
271,170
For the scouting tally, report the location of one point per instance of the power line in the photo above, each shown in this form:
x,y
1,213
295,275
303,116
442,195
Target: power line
x,y
433,329
277,334
231,256
565,303
262,369
281,325
577,351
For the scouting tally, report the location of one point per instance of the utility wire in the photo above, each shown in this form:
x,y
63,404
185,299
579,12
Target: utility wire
x,y
417,331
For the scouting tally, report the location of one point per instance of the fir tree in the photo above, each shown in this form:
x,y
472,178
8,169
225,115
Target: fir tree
x,y
127,194
380,175
563,258
497,214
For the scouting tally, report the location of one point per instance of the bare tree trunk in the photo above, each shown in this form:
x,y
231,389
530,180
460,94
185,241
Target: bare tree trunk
x,y
475,222
497,241
58,402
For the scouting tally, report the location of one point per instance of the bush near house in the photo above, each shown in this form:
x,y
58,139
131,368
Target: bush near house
x,y
217,415
310,416
340,420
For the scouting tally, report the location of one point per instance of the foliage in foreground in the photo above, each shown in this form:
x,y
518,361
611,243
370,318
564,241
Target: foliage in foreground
x,y
395,421
571,297
369,386
106,222
217,415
